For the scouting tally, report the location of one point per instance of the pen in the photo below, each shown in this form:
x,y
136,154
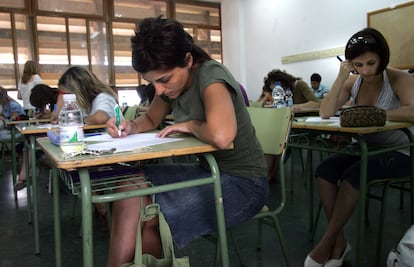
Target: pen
x,y
118,118
339,58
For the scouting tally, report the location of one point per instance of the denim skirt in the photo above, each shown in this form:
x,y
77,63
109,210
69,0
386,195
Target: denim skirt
x,y
191,212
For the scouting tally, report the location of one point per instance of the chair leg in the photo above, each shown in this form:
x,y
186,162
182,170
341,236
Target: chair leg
x,y
259,234
281,239
381,224
236,247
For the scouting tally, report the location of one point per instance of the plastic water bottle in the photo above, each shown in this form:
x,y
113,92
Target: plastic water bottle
x,y
124,102
289,97
278,95
71,126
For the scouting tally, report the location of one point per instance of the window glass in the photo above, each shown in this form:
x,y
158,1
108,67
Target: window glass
x,y
202,15
78,42
91,7
23,38
99,50
210,41
125,75
7,74
12,3
53,50
139,9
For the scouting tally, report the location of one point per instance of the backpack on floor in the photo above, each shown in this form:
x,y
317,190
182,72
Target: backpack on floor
x,y
403,255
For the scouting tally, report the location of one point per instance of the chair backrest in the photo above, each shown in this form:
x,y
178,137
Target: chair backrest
x,y
272,128
130,112
255,104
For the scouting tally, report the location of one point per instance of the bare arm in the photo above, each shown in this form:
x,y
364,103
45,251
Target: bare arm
x,y
340,91
403,86
148,121
220,127
99,117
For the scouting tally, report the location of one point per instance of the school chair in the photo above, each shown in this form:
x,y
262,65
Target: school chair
x,y
272,127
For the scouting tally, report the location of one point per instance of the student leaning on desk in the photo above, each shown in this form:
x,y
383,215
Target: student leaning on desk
x,y
207,103
303,97
374,84
97,102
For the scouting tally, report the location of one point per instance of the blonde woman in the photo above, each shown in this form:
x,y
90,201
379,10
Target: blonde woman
x,y
97,101
30,78
95,98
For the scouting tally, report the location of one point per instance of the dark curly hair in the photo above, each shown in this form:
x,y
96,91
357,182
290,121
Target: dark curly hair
x,y
286,80
42,95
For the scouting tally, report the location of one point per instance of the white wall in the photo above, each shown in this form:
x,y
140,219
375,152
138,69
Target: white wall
x,y
258,33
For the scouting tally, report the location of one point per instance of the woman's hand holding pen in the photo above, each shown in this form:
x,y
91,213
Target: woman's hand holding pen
x,y
124,127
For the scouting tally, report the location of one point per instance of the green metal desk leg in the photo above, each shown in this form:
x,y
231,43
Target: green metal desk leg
x,y
219,210
13,150
28,189
86,200
35,193
411,138
56,217
361,210
309,163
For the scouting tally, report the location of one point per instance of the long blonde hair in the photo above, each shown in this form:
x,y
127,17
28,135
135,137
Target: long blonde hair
x,y
30,69
85,85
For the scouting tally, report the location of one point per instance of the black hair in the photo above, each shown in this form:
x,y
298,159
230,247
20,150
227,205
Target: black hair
x,y
146,92
368,40
316,78
162,44
42,95
286,80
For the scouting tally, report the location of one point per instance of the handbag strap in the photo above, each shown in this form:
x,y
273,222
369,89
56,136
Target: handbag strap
x,y
147,213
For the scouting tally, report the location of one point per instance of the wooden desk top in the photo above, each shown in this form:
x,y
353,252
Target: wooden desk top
x,y
189,145
32,121
333,126
39,129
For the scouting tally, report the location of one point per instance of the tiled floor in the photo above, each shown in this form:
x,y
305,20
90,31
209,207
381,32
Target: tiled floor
x,y
17,246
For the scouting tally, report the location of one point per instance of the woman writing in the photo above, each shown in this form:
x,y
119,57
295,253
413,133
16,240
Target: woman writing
x,y
97,101
375,84
207,103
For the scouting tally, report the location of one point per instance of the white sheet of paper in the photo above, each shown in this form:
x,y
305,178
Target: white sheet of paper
x,y
320,120
47,125
128,143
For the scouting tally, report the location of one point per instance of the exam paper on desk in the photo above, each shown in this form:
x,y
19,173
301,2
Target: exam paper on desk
x,y
128,143
331,120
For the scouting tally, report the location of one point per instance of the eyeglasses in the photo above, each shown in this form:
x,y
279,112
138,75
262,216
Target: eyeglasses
x,y
361,40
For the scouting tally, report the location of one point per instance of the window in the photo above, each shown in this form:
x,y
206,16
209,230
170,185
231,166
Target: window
x,y
87,7
85,33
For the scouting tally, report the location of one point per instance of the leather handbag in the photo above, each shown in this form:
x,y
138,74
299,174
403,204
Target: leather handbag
x,y
169,260
363,116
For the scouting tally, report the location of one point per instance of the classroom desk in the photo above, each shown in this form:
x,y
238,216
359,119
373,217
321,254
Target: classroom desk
x,y
189,145
12,125
30,132
365,151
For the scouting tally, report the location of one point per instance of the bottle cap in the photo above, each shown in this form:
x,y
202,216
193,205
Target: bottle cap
x,y
69,97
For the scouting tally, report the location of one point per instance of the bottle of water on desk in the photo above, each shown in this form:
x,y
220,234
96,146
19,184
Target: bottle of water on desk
x,y
289,97
71,126
278,95
124,102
